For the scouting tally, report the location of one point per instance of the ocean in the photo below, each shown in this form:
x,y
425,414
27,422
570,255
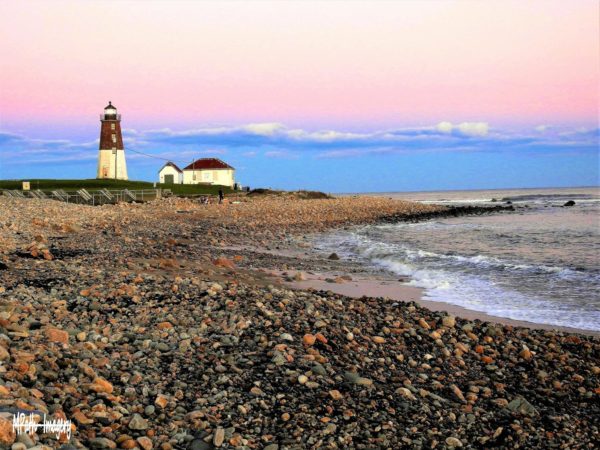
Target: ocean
x,y
540,263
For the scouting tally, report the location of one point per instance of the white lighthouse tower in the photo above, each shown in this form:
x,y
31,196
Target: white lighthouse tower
x,y
111,155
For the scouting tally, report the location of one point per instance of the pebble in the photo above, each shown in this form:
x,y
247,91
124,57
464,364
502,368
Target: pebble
x,y
100,385
145,443
449,321
423,323
219,437
102,443
7,432
137,422
286,337
355,378
453,442
161,401
335,394
309,339
56,335
522,406
199,444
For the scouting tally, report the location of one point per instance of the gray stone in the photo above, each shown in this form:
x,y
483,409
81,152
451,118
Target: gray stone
x,y
163,347
286,337
137,422
522,406
319,369
355,378
279,359
25,439
199,444
102,443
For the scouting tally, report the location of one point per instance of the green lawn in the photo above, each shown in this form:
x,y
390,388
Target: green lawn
x,y
93,184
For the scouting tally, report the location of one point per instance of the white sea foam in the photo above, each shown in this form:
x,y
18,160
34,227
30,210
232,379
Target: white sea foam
x,y
377,250
456,201
480,295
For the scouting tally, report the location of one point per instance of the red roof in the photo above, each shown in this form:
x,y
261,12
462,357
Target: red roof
x,y
173,165
207,163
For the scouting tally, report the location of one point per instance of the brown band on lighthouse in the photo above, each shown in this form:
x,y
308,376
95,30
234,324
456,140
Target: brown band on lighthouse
x,y
106,135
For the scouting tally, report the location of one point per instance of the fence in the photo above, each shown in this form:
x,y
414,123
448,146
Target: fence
x,y
100,197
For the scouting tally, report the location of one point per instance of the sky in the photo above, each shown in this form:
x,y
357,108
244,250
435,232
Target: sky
x,y
339,96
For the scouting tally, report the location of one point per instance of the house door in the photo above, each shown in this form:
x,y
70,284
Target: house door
x,y
169,179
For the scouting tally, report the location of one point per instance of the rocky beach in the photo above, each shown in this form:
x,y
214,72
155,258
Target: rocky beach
x,y
172,325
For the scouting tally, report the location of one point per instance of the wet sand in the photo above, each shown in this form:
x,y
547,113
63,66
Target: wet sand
x,y
390,288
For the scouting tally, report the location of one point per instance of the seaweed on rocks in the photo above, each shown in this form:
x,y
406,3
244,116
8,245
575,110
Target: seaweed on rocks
x,y
451,211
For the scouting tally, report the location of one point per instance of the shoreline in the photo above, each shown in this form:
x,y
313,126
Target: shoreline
x,y
392,289
369,285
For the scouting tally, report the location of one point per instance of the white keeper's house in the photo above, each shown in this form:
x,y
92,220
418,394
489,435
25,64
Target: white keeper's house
x,y
201,171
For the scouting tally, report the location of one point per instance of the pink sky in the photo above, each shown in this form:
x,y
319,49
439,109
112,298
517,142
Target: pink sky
x,y
172,64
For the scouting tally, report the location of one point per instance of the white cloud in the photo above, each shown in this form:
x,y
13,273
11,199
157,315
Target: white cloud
x,y
444,127
341,153
574,132
275,140
280,154
323,135
464,128
264,129
474,128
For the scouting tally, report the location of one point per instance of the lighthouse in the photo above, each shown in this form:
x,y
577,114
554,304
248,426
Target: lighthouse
x,y
111,154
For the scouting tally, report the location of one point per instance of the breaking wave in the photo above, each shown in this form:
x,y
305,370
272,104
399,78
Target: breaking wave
x,y
539,293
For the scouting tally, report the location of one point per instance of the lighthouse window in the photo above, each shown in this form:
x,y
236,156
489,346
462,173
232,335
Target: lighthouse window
x,y
114,138
112,126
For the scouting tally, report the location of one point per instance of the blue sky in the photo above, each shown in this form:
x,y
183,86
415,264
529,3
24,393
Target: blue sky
x,y
363,96
441,156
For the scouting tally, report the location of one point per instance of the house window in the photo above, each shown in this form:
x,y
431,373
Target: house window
x,y
112,126
194,177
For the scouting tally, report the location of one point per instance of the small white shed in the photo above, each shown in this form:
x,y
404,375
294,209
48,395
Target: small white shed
x,y
170,174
